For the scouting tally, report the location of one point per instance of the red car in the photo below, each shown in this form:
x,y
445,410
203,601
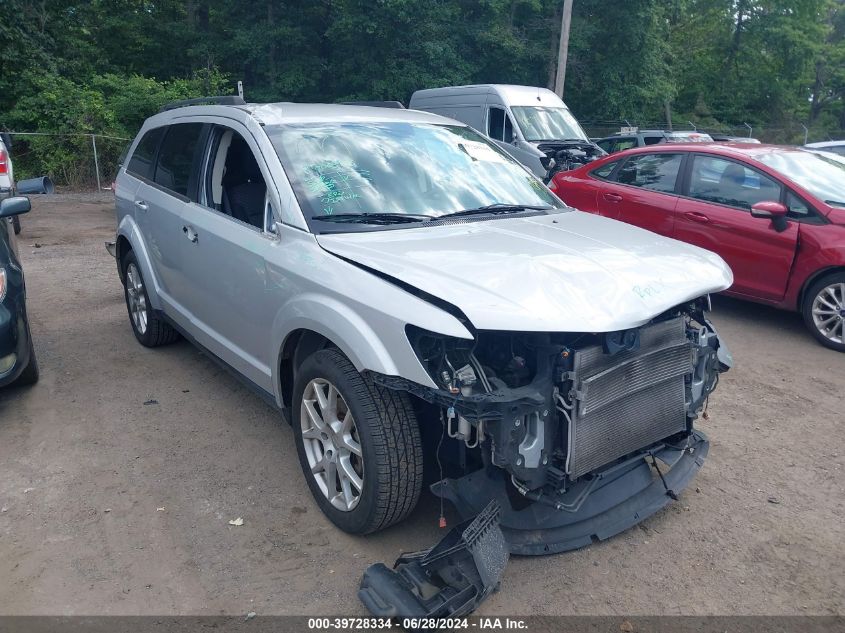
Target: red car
x,y
775,214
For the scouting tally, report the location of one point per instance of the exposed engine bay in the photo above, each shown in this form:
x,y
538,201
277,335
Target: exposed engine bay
x,y
546,414
567,155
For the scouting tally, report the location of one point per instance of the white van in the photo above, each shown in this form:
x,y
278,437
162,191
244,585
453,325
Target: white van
x,y
532,124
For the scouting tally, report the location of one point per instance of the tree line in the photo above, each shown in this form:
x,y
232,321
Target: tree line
x,y
102,66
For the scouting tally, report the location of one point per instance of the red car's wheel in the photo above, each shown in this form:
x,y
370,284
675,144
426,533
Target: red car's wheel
x,y
824,310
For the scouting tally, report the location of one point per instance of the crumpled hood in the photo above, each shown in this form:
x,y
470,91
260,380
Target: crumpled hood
x,y
566,272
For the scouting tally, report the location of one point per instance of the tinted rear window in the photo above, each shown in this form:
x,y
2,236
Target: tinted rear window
x,y
144,155
175,167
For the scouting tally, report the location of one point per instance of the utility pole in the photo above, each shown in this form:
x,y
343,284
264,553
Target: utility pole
x,y
563,50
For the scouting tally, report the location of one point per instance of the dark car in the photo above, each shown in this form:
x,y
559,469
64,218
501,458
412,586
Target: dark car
x,y
640,138
17,356
775,214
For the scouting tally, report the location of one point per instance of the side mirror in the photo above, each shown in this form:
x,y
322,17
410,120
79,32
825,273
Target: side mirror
x,y
14,206
774,211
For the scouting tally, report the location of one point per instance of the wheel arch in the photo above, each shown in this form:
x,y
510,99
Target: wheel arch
x,y
813,279
129,238
315,321
298,345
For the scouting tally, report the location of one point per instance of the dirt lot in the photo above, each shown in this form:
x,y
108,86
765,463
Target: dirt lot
x,y
120,471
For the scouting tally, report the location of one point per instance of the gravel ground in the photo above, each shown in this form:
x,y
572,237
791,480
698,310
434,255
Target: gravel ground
x,y
120,470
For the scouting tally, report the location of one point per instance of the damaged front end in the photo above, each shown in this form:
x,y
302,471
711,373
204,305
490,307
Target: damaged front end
x,y
577,436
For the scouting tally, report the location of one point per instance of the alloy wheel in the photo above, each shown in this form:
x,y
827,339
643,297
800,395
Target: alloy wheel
x,y
136,298
829,312
332,444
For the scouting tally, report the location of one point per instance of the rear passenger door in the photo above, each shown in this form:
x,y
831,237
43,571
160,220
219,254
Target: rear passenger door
x,y
164,191
642,191
230,234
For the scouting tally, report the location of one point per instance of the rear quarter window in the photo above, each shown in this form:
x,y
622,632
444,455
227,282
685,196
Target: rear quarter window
x,y
605,171
141,164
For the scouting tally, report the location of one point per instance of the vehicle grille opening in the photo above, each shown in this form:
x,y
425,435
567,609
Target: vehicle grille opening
x,y
627,401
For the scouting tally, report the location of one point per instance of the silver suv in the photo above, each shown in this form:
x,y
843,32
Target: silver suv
x,y
421,308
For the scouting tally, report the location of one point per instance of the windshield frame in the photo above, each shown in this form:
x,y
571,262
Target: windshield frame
x,y
315,224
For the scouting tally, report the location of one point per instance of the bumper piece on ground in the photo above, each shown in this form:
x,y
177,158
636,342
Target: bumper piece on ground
x,y
449,580
596,508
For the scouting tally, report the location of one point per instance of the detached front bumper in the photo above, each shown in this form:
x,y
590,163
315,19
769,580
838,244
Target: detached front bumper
x,y
611,501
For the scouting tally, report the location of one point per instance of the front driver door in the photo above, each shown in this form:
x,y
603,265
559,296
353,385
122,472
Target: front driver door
x,y
716,214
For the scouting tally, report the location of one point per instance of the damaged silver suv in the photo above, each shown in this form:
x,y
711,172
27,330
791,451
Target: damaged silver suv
x,y
421,308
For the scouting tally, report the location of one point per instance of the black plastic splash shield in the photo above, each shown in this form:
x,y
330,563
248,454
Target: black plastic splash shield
x,y
449,580
615,499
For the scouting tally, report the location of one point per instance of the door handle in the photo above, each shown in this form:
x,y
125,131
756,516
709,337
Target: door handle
x,y
613,197
697,217
191,234
141,205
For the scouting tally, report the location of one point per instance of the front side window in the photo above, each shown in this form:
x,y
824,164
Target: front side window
x,y
658,172
234,184
399,167
499,126
730,183
175,169
141,164
540,123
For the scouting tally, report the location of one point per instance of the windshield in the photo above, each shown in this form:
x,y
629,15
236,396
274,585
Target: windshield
x,y
397,167
547,124
822,174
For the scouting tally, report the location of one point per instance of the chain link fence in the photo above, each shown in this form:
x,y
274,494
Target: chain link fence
x,y
73,161
83,161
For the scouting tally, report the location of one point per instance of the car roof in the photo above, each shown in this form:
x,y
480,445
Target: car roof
x,y
512,94
271,114
737,150
821,144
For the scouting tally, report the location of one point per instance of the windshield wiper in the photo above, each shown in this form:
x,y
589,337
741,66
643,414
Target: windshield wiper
x,y
499,207
373,218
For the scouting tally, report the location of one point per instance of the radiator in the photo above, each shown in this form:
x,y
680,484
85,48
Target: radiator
x,y
629,400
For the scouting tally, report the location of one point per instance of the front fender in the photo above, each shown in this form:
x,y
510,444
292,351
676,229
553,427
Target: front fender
x,y
380,346
129,229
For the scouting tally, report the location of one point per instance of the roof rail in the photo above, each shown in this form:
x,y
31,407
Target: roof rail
x,y
231,100
376,104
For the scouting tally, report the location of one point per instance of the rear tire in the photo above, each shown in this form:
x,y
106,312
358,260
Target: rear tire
x,y
824,311
378,423
149,328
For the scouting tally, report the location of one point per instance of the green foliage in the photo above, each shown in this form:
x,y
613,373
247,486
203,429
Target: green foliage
x,y
104,65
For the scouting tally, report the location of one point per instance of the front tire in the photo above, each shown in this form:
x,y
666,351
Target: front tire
x,y
149,328
358,443
824,311
16,223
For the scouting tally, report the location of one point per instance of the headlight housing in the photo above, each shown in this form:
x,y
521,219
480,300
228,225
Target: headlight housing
x,y
439,354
